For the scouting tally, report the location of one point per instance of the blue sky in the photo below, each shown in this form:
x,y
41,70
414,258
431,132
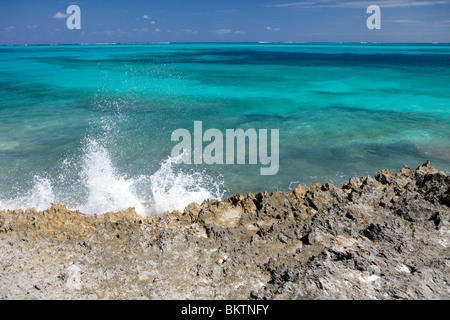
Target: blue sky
x,y
114,21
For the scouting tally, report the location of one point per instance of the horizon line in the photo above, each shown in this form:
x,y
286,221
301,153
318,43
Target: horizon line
x,y
212,42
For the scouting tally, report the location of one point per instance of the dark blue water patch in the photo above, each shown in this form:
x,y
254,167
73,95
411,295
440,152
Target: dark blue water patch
x,y
114,60
397,117
260,56
389,91
41,91
257,57
65,62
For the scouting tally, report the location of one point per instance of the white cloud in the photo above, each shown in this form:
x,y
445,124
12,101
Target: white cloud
x,y
32,27
404,21
357,4
228,31
146,16
223,31
157,30
8,31
189,31
272,29
60,15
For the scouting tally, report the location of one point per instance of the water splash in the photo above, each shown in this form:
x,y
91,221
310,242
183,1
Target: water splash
x,y
174,190
169,188
40,197
108,191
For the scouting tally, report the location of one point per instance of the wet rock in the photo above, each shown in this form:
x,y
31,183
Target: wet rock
x,y
380,237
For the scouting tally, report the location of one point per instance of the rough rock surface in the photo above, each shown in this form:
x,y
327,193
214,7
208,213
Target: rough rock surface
x,y
379,237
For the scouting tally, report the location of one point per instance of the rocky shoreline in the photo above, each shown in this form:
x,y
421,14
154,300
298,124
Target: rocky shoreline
x,y
385,236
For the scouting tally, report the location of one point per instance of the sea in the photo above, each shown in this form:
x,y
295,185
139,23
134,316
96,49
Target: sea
x,y
90,126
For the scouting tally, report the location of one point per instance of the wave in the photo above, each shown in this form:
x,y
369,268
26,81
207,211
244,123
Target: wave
x,y
40,197
169,188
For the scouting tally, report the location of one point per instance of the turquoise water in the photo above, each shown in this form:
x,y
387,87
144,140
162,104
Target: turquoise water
x,y
90,126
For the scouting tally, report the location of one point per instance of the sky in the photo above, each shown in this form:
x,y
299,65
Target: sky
x,y
139,21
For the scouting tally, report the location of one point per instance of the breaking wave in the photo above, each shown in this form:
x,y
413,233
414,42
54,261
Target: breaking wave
x,y
107,190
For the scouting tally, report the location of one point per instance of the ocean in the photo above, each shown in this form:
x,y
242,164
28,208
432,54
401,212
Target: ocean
x,y
89,126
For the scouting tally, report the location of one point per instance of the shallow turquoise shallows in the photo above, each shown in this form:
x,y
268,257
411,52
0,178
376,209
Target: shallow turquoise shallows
x,y
90,126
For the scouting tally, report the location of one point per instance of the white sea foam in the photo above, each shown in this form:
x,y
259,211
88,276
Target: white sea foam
x,y
39,197
168,189
174,190
108,191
